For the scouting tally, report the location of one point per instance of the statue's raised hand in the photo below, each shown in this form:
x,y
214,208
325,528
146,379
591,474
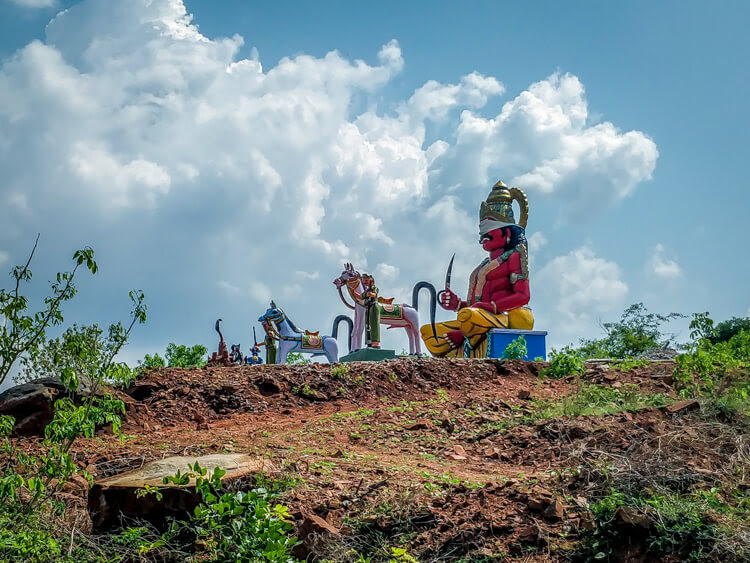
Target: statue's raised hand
x,y
449,300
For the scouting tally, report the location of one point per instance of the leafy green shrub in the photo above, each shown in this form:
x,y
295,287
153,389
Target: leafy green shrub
x,y
516,350
563,363
79,348
181,356
636,332
234,526
725,330
149,361
718,372
630,363
679,525
297,358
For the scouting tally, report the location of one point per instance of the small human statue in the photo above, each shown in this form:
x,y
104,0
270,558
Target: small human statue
x,y
254,357
372,318
270,343
498,286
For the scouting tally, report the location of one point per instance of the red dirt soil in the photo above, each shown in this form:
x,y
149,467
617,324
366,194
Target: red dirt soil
x,y
434,451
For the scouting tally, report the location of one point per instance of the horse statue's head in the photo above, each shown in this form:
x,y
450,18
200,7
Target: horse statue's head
x,y
349,275
272,315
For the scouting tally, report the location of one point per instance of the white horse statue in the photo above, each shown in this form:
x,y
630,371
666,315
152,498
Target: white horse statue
x,y
292,339
392,315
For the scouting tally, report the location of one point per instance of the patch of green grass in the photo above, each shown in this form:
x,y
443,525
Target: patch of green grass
x,y
630,363
598,400
359,414
340,372
323,467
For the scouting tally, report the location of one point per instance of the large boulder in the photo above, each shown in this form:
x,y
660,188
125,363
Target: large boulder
x,y
32,404
116,497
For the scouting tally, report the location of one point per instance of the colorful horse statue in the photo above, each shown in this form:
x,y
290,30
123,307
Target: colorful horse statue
x,y
292,339
392,315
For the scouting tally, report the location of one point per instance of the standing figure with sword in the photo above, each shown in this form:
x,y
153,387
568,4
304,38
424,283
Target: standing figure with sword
x,y
254,357
498,287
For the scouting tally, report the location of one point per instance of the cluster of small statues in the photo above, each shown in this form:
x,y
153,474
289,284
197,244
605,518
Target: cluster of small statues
x,y
235,357
498,297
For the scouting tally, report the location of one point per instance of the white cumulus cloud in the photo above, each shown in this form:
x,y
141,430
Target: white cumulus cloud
x,y
544,141
210,178
577,287
662,264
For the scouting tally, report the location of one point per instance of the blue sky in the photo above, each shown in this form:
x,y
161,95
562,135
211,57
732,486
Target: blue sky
x,y
213,191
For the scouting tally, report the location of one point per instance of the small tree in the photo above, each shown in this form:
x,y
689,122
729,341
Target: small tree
x,y
636,332
181,356
149,361
28,483
79,348
725,330
21,332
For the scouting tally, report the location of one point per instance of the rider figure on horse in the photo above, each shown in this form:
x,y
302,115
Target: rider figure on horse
x,y
372,319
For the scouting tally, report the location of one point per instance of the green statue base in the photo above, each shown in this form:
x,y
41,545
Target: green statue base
x,y
369,355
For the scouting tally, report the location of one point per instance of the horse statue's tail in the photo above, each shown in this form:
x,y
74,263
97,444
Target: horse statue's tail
x,y
222,344
335,329
433,301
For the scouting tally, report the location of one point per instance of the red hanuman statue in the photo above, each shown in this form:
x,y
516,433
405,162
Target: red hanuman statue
x,y
498,287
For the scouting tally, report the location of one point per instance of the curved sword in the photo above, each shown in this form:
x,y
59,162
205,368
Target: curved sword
x,y
447,277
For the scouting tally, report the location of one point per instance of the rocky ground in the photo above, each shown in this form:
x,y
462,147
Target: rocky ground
x,y
455,459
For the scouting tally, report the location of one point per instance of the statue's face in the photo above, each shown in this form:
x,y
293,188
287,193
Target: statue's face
x,y
495,239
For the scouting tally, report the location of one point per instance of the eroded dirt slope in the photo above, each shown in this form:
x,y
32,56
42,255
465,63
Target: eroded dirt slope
x,y
456,458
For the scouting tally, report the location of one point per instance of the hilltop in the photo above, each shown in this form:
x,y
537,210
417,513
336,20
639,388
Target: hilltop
x,y
458,460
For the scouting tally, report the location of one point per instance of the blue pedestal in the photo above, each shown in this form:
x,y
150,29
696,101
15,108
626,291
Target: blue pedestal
x,y
536,342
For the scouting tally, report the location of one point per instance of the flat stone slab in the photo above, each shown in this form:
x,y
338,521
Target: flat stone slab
x,y
369,355
116,497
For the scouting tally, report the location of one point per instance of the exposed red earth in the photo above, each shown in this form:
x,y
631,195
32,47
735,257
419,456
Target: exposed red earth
x,y
443,455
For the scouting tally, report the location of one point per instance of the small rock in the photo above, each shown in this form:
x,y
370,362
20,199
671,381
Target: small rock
x,y
633,517
492,453
537,504
418,425
681,406
315,524
554,511
311,528
528,534
447,423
